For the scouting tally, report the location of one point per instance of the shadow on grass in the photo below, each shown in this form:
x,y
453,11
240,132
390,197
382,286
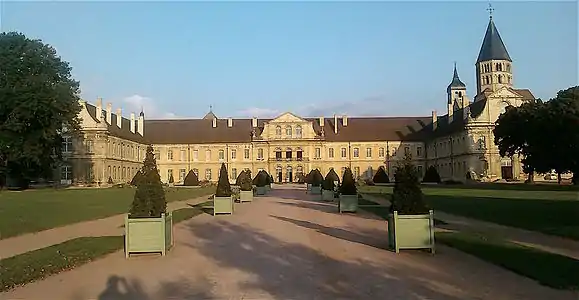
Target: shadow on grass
x,y
286,270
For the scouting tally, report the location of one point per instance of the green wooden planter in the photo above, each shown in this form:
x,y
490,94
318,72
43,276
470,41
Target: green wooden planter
x,y
327,195
222,205
316,190
268,187
260,190
348,203
148,235
308,187
245,196
411,231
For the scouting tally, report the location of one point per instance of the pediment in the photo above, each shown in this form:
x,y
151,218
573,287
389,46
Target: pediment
x,y
287,118
505,92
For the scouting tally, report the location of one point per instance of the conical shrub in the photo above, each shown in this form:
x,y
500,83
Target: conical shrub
x,y
223,186
381,176
149,199
407,197
348,186
191,179
238,179
431,175
245,182
317,178
136,178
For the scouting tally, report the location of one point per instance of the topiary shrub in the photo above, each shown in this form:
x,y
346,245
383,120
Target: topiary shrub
x,y
239,177
301,178
136,178
317,178
223,186
431,175
149,200
244,181
110,180
381,176
191,179
333,175
260,179
407,197
308,178
348,186
328,183
171,179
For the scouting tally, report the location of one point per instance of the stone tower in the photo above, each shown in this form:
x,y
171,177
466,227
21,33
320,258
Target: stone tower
x,y
493,66
456,94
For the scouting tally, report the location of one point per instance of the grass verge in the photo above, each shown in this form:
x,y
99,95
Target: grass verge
x,y
548,269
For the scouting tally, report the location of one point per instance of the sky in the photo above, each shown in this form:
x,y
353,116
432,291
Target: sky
x,y
245,59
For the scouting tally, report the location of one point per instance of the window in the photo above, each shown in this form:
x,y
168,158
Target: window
x,y
233,154
406,150
299,154
419,151
381,152
89,146
500,77
170,155
183,155
331,152
169,174
356,152
278,154
208,174
343,152
124,173
109,172
318,153
157,154
368,152
66,173
195,155
394,152
246,153
114,172
278,131
221,154
298,131
288,131
207,155
356,172
259,153
420,171
67,144
181,174
288,153
196,171
233,173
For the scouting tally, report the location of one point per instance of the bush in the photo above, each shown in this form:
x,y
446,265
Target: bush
x,y
171,179
260,179
328,183
317,178
301,178
110,181
136,178
381,176
431,175
407,197
149,200
332,174
308,178
348,186
244,181
223,186
191,179
239,177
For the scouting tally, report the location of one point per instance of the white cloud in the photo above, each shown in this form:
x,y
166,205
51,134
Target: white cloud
x,y
370,106
258,112
136,103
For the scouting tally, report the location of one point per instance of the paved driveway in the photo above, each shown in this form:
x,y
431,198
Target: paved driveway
x,y
286,246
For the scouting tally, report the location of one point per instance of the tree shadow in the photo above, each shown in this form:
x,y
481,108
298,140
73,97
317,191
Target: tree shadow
x,y
119,288
292,270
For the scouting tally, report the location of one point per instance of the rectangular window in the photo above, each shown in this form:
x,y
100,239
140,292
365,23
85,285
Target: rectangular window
x,y
207,155
221,154
260,153
418,151
318,153
170,155
356,172
196,171
406,151
331,153
195,155
182,174
246,153
288,154
233,173
381,152
89,146
157,154
67,144
420,172
368,152
66,173
356,152
208,174
169,174
233,154
183,155
343,152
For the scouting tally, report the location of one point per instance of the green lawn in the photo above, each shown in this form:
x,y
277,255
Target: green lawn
x,y
36,210
547,268
550,212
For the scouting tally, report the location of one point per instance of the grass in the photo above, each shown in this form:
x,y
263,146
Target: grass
x,y
549,212
37,210
549,269
38,264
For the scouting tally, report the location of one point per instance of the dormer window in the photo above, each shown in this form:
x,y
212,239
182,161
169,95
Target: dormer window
x,y
278,131
299,131
288,131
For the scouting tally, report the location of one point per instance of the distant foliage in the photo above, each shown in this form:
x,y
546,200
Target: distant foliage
x,y
407,197
381,176
136,178
431,175
244,181
149,200
223,186
191,179
348,186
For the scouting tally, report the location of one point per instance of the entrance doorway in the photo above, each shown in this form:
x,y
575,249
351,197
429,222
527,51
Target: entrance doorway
x,y
507,172
279,174
289,174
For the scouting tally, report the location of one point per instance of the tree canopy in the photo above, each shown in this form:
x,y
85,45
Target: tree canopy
x,y
39,99
544,133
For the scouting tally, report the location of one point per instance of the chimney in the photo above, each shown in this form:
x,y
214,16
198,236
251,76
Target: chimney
x,y
434,120
109,113
119,117
254,122
321,121
230,122
133,122
345,121
214,122
99,109
335,124
141,127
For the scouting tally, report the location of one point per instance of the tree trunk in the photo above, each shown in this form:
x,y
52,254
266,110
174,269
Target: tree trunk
x,y
559,179
530,177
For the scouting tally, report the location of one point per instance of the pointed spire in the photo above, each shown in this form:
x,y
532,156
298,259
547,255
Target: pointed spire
x,y
456,82
210,115
492,47
142,114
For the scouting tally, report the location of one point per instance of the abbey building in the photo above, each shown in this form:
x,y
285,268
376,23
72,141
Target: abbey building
x,y
456,143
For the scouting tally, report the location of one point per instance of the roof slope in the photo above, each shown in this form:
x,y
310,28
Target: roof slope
x,y
493,47
124,132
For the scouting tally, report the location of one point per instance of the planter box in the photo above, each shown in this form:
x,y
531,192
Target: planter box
x,y
245,196
348,203
308,187
222,205
260,190
327,195
268,187
411,231
148,235
316,190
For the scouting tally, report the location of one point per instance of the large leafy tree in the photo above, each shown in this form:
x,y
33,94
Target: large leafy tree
x,y
38,98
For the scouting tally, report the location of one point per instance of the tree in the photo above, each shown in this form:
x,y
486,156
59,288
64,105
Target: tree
x,y
39,104
348,186
239,177
317,178
223,186
431,175
407,197
381,176
191,179
245,182
260,179
136,178
149,199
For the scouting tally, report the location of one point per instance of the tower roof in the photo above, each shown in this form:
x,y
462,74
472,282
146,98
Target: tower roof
x,y
493,47
456,82
210,115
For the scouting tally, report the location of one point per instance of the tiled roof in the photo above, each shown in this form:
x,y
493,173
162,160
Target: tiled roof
x,y
124,132
493,47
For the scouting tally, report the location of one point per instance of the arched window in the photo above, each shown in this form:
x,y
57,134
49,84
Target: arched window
x,y
509,68
278,131
499,67
500,78
288,131
299,131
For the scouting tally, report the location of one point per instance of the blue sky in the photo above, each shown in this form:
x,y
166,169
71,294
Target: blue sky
x,y
311,58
